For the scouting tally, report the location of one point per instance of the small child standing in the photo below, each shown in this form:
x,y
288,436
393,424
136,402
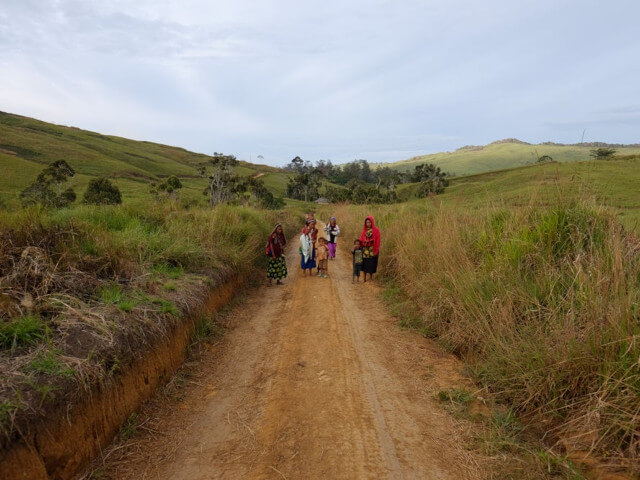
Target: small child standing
x,y
357,260
322,255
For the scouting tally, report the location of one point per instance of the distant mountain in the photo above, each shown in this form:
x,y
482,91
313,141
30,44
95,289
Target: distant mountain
x,y
507,153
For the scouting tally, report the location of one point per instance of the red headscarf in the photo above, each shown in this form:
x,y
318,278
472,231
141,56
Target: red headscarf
x,y
374,239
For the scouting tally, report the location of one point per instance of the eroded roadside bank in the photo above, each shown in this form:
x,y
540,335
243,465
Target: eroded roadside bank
x,y
97,311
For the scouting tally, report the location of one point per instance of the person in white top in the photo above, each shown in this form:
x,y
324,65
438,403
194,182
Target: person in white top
x,y
332,230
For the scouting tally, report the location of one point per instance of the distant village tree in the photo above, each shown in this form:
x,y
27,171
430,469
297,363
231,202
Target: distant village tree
x,y
47,190
221,179
101,191
602,153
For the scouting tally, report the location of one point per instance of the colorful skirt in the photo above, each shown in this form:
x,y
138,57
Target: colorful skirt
x,y
332,249
311,263
277,268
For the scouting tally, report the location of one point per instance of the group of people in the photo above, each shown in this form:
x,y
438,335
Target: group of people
x,y
316,250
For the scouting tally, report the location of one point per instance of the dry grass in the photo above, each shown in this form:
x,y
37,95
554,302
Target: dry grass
x,y
84,291
543,303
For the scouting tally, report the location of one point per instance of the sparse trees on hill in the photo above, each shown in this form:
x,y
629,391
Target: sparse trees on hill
x,y
602,153
101,191
47,190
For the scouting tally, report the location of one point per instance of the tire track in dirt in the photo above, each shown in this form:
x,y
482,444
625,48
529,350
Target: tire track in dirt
x,y
314,381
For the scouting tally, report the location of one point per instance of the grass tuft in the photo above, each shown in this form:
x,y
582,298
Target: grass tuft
x,y
22,331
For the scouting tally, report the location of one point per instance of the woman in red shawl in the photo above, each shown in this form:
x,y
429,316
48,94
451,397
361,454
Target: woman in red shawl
x,y
275,249
370,241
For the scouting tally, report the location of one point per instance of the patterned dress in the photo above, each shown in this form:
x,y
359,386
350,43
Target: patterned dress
x,y
277,267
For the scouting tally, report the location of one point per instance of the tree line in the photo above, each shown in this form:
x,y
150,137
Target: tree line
x,y
361,183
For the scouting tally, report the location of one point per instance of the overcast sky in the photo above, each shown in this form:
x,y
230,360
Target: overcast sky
x,y
339,80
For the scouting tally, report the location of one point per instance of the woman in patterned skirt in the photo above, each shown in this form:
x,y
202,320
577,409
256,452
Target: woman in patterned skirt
x,y
277,267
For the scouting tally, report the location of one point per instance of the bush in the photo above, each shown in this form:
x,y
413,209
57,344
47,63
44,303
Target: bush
x,y
102,192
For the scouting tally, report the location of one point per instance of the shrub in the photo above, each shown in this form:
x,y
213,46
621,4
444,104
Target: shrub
x,y
101,191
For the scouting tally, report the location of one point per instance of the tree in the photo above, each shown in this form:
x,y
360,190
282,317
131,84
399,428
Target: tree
x,y
264,198
545,158
41,191
602,153
432,179
102,192
296,165
305,184
221,180
337,195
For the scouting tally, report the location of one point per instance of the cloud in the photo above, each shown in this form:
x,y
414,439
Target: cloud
x,y
337,80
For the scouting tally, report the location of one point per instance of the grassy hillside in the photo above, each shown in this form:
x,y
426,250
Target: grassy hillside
x,y
27,145
501,155
613,183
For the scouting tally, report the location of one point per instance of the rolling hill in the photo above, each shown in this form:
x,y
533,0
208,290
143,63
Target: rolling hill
x,y
28,145
504,154
613,183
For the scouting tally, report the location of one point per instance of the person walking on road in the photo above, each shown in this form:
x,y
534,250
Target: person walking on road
x,y
307,247
277,267
370,242
333,230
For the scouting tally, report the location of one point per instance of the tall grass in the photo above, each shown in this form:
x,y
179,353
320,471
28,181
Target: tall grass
x,y
85,289
542,302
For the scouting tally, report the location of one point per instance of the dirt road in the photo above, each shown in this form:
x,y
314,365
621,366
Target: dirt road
x,y
315,381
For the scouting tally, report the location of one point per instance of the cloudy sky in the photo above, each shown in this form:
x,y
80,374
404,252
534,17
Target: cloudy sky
x,y
339,80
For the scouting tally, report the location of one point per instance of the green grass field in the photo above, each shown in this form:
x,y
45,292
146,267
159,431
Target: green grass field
x,y
613,183
499,156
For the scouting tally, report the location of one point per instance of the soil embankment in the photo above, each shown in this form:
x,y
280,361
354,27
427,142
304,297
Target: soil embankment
x,y
60,446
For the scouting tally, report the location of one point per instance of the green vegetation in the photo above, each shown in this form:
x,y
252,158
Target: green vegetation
x,y
101,191
22,331
355,182
102,283
49,363
501,155
602,153
28,145
535,286
542,301
41,191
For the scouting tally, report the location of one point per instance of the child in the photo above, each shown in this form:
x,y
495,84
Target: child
x,y
357,260
322,254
